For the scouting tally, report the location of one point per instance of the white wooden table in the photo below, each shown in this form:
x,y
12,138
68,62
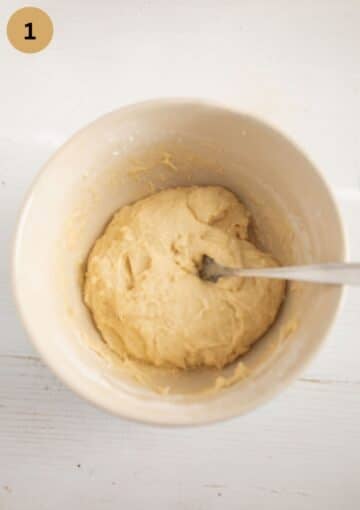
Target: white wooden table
x,y
297,65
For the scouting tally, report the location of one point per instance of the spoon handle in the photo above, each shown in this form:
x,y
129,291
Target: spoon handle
x,y
334,273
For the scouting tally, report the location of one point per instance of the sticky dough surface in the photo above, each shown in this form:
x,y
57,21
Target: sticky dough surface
x,y
143,289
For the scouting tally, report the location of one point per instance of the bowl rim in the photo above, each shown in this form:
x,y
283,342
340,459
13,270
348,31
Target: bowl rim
x,y
73,381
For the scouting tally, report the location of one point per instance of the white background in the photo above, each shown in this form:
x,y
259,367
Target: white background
x,y
297,65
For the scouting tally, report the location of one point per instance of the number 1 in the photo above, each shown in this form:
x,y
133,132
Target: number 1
x,y
30,33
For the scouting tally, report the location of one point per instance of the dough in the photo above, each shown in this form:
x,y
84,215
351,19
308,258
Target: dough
x,y
143,289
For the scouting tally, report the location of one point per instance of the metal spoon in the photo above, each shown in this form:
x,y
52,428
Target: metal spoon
x,y
334,273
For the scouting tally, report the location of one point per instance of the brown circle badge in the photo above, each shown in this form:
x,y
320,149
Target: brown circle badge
x,y
30,29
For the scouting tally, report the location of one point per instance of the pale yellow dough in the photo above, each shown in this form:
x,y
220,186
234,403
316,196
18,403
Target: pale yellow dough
x,y
144,292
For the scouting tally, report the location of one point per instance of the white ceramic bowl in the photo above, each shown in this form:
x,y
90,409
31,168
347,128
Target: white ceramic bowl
x,y
121,157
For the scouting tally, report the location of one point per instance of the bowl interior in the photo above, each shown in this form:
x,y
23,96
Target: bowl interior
x,y
126,155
